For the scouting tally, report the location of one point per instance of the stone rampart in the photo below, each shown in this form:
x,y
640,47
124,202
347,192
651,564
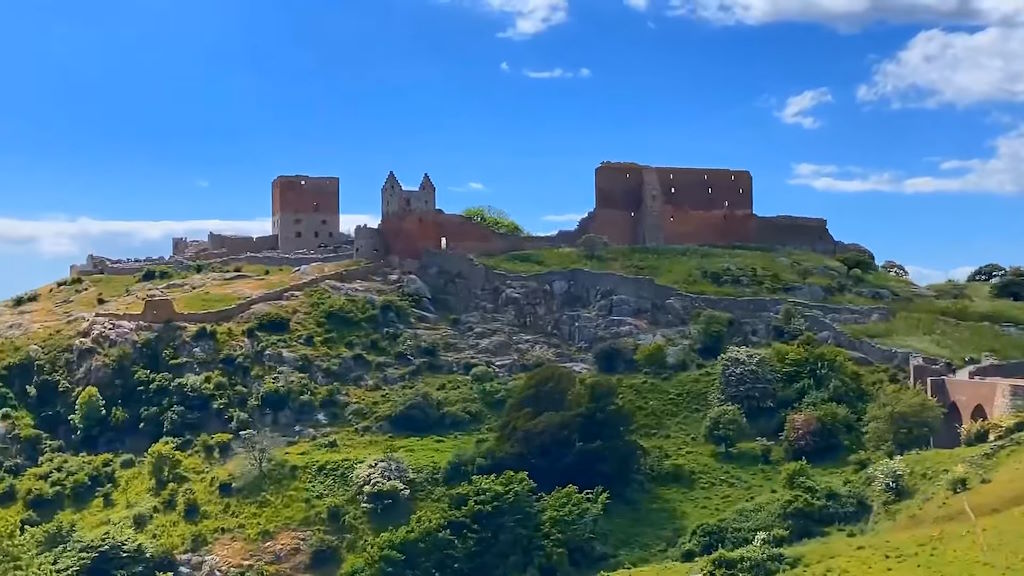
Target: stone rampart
x,y
162,310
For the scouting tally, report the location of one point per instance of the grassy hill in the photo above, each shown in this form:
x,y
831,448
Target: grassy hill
x,y
134,445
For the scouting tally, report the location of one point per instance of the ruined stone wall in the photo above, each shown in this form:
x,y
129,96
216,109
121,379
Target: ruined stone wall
x,y
409,236
718,228
998,370
396,201
368,244
162,310
619,186
305,212
795,232
232,245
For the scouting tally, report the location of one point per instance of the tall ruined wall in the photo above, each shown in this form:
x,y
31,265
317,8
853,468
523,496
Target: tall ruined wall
x,y
368,244
233,245
619,186
794,232
396,201
409,236
306,211
998,370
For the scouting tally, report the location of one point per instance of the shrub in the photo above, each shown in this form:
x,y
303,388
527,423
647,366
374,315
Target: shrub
x,y
819,432
613,357
156,273
975,432
481,375
987,273
858,259
495,219
8,491
382,483
141,518
26,298
189,503
272,322
324,552
710,332
901,419
895,269
1009,288
957,480
126,461
725,425
757,559
889,479
951,290
593,245
653,356
164,463
746,379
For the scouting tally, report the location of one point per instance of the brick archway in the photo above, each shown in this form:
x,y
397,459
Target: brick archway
x,y
979,413
948,435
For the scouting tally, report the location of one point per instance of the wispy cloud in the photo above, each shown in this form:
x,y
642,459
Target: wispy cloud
x,y
1002,173
53,237
562,217
530,17
798,107
470,187
555,73
924,276
640,5
202,183
504,67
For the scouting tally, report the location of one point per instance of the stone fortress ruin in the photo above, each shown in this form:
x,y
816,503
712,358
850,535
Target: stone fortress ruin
x,y
634,204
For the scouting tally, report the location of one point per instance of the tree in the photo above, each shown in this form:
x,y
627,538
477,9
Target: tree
x,y
652,356
746,379
901,419
569,520
256,447
496,219
895,269
563,431
987,273
593,245
164,463
382,482
90,412
1009,288
710,332
725,425
819,432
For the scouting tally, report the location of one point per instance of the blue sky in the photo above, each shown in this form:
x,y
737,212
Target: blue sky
x,y
123,123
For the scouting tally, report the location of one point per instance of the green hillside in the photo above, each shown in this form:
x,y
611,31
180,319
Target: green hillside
x,y
343,431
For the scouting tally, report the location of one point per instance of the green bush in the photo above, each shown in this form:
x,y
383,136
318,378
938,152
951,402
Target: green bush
x,y
592,245
987,273
272,322
710,332
889,479
1009,288
613,357
653,356
753,560
156,273
26,298
725,425
746,379
957,480
901,419
496,219
481,375
820,432
975,432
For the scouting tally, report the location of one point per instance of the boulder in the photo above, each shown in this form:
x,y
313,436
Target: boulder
x,y
414,287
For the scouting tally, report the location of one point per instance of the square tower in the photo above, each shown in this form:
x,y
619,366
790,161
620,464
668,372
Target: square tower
x,y
306,212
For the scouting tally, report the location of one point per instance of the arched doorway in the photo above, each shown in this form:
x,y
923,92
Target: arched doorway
x,y
979,413
948,435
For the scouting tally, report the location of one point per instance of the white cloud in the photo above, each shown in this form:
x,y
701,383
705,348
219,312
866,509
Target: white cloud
x,y
640,5
67,237
960,68
202,183
562,217
470,187
847,14
923,276
1002,173
504,67
797,108
557,73
530,16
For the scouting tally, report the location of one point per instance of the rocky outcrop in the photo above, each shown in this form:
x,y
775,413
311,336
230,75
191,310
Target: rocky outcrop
x,y
584,307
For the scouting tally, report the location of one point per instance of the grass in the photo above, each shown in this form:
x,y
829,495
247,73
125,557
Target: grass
x,y
942,337
202,300
704,270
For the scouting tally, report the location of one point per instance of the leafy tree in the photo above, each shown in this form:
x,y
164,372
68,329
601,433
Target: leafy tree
x,y
563,431
746,379
987,273
569,520
810,373
164,463
901,419
257,448
757,559
496,219
90,412
1009,288
613,357
895,269
725,425
382,482
819,432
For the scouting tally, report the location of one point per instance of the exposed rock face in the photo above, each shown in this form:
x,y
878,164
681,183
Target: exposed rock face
x,y
584,307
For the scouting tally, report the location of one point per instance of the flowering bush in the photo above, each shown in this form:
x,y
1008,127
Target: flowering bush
x,y
382,482
889,478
